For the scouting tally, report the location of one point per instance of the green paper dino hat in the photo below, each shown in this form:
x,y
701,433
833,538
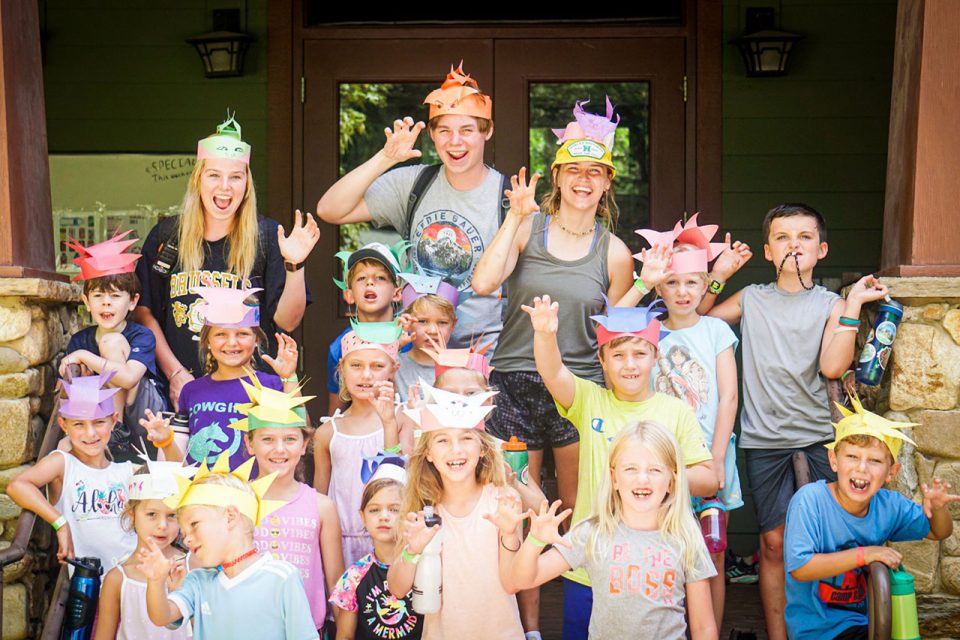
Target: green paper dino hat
x,y
225,143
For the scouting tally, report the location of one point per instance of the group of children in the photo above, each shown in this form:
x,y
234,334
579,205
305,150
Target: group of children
x,y
220,533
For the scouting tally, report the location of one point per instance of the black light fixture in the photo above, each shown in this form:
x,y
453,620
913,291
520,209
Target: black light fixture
x,y
222,50
765,50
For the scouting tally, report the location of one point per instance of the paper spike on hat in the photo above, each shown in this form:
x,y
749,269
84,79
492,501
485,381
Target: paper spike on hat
x,y
420,284
590,126
269,407
473,357
255,507
383,465
448,410
459,95
641,322
862,422
226,143
88,397
226,307
700,236
160,481
105,258
657,238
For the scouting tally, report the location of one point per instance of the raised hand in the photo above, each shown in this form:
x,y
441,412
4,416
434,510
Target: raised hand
x,y
303,237
936,496
416,534
400,140
867,289
655,262
158,427
545,524
730,261
285,364
64,544
382,397
153,563
544,314
523,195
508,515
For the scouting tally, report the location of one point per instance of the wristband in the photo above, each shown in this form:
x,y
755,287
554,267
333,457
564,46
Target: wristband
x,y
841,329
293,266
166,442
408,557
59,522
849,322
535,541
846,373
715,287
860,560
508,548
394,449
292,378
640,286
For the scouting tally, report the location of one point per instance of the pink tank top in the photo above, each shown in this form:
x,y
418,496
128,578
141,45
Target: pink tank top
x,y
292,533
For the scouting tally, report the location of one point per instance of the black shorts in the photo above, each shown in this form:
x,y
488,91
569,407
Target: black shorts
x,y
772,483
524,408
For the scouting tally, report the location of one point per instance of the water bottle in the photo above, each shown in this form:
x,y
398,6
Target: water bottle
x,y
713,525
903,600
427,580
82,601
876,352
515,453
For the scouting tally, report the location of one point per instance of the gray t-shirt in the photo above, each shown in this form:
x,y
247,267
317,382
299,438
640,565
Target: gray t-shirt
x,y
638,582
450,231
785,402
410,373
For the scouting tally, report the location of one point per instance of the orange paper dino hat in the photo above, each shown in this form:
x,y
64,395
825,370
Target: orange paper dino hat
x,y
471,358
459,95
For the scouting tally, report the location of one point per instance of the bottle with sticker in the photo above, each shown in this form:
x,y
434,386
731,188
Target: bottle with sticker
x,y
876,352
515,453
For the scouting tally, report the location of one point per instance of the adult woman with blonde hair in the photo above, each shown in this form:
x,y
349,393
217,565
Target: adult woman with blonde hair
x,y
219,240
565,248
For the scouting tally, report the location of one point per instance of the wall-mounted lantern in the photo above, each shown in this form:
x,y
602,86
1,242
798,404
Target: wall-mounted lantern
x,y
222,50
765,50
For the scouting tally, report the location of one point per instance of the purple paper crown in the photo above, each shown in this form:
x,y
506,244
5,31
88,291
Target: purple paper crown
x,y
590,125
88,397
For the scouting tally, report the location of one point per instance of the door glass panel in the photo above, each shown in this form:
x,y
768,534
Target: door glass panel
x,y
365,110
551,107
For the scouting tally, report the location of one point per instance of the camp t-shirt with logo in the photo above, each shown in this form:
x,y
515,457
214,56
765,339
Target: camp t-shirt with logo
x,y
450,231
176,309
211,406
817,524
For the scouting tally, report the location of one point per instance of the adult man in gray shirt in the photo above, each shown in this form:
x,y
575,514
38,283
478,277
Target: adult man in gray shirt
x,y
456,217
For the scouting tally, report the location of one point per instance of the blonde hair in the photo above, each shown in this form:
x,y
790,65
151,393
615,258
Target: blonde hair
x,y
225,480
432,300
607,209
244,234
424,483
675,518
478,377
207,361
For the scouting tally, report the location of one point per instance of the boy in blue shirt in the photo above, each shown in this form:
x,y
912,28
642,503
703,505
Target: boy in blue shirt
x,y
835,530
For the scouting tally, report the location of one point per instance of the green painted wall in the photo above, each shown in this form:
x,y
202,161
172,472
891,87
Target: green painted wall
x,y
120,78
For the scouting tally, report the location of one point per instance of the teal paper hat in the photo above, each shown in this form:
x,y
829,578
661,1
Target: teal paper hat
x,y
225,143
390,257
382,336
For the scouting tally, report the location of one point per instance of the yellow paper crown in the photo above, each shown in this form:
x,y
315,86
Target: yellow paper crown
x,y
218,495
862,422
269,407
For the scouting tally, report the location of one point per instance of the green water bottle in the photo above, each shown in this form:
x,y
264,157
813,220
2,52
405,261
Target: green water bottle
x,y
903,600
515,453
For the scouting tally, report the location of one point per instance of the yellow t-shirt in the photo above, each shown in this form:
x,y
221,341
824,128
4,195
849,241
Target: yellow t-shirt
x,y
598,415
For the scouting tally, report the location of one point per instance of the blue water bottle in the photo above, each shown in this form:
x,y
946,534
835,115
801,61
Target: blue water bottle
x,y
876,352
83,599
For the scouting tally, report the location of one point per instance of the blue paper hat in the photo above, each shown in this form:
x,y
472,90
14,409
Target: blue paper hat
x,y
642,322
383,465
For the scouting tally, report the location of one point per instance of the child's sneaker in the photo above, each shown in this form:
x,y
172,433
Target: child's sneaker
x,y
741,570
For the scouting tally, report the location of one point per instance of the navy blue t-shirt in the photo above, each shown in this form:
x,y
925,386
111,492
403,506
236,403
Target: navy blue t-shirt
x,y
143,346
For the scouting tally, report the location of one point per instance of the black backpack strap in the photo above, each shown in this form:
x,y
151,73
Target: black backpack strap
x,y
423,182
504,200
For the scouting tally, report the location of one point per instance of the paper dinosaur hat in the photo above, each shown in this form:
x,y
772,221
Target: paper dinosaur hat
x,y
389,257
88,397
863,422
217,495
419,285
383,336
459,95
690,233
589,138
474,357
383,465
269,407
160,481
226,307
225,143
105,258
448,410
641,322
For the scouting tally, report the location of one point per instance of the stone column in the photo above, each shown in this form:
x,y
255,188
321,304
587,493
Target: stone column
x,y
37,318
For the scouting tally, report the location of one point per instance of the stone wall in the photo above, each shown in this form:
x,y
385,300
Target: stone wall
x,y
923,386
37,318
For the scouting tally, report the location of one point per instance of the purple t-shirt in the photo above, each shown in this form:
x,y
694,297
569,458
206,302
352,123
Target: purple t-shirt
x,y
210,407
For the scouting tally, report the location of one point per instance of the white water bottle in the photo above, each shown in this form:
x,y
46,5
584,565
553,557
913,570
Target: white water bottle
x,y
426,581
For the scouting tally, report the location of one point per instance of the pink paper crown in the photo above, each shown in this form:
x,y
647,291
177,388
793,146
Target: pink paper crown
x,y
225,307
105,258
473,357
88,397
352,342
693,261
590,126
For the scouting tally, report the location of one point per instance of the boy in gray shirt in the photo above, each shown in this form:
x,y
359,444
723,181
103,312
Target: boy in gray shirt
x,y
796,336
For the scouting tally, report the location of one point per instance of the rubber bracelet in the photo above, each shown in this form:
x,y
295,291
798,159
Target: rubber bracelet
x,y
841,329
846,373
394,449
409,557
640,286
535,541
59,522
166,441
860,559
849,322
508,548
292,378
716,287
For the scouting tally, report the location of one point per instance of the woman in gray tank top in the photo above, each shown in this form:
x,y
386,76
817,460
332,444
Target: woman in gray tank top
x,y
564,249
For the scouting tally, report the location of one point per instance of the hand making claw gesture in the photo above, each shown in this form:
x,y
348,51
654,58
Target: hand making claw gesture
x,y
416,534
156,425
936,496
656,262
544,314
303,237
508,515
730,261
523,195
545,524
285,364
383,397
400,140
